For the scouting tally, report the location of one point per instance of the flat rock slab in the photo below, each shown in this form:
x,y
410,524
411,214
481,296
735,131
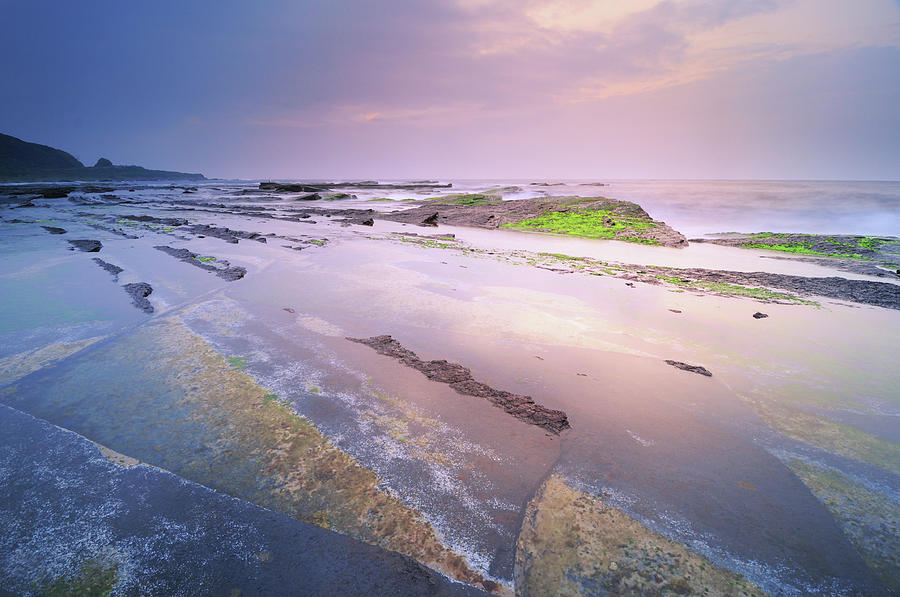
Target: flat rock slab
x,y
88,246
219,267
54,229
67,504
460,379
497,213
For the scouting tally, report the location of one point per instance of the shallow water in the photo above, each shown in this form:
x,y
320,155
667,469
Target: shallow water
x,y
690,456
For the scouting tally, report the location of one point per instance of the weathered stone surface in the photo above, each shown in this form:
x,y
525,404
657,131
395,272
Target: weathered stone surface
x,y
88,246
115,270
139,291
460,379
220,267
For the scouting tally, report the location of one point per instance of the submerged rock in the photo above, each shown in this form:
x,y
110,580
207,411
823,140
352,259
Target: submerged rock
x,y
460,379
691,368
88,246
54,229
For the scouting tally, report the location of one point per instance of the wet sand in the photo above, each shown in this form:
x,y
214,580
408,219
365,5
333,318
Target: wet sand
x,y
706,462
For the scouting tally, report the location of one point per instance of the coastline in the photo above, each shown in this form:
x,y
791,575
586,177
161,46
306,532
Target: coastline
x,y
322,273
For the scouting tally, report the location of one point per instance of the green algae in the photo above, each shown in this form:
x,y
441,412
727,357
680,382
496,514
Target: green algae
x,y
192,411
801,248
562,256
205,259
574,544
830,435
870,520
467,199
848,247
239,363
19,365
590,223
95,578
430,243
724,288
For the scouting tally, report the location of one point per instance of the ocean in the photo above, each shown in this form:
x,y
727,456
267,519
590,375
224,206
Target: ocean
x,y
699,207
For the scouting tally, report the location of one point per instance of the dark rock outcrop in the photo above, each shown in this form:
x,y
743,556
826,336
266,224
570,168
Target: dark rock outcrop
x,y
88,246
226,234
495,213
103,163
219,267
460,379
691,368
759,315
154,220
115,270
139,291
54,229
284,187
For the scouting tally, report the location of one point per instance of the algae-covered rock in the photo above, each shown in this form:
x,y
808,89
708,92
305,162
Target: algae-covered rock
x,y
573,544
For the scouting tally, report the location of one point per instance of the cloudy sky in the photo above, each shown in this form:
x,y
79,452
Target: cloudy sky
x,y
774,89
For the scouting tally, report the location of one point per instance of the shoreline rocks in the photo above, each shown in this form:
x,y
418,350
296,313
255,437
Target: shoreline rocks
x,y
227,272
460,379
88,246
692,368
115,270
139,291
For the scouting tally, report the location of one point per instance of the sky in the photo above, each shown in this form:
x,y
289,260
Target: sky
x,y
534,89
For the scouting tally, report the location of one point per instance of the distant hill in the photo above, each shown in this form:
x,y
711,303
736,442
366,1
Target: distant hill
x,y
21,161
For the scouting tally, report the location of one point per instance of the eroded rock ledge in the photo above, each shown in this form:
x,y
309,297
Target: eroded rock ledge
x,y
460,379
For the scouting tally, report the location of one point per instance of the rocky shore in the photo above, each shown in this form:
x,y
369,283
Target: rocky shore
x,y
460,379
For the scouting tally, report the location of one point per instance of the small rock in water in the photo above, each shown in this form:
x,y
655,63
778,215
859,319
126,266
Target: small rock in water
x,y
139,291
369,222
691,368
88,246
115,270
675,310
759,315
54,229
430,220
288,309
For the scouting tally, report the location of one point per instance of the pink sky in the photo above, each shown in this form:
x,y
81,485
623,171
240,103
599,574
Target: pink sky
x,y
468,88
